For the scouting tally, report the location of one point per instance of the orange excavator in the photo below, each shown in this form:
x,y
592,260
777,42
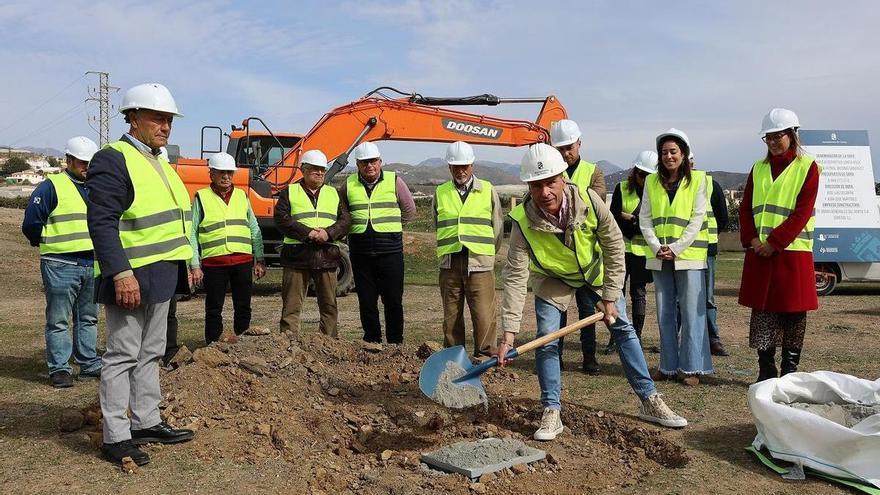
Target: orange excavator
x,y
269,162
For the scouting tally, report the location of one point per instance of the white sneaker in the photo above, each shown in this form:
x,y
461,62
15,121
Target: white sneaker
x,y
551,425
653,409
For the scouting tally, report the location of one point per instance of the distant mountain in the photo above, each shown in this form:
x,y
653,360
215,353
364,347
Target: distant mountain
x,y
607,167
40,151
422,174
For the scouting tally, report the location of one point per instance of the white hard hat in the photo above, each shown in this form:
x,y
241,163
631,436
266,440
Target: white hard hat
x,y
541,161
366,151
564,132
646,161
459,153
674,133
150,96
314,158
221,161
779,119
81,148
163,152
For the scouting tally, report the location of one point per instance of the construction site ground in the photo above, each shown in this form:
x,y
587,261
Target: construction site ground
x,y
328,416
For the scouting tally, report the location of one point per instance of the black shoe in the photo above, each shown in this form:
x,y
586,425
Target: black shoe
x,y
610,348
61,379
591,366
161,433
89,375
717,349
120,450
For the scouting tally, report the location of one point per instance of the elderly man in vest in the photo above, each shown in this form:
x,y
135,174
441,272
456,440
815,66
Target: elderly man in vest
x,y
55,220
313,221
568,240
565,136
467,214
139,219
226,233
380,203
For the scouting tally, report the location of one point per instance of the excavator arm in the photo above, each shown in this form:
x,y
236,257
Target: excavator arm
x,y
412,118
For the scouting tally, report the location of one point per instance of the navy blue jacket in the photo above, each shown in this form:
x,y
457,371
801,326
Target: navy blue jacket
x,y
110,194
43,201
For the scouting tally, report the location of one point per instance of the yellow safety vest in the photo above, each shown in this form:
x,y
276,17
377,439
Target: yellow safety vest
x,y
156,226
582,176
630,201
774,200
710,213
550,256
380,209
224,228
467,224
66,230
316,217
670,220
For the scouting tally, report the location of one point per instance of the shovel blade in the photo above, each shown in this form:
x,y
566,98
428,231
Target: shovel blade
x,y
436,364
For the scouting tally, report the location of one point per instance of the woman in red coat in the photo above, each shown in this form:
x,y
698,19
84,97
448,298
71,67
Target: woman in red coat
x,y
776,223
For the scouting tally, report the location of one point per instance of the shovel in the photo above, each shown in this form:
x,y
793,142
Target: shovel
x,y
436,364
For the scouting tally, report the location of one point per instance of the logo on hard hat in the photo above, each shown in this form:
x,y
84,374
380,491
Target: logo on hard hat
x,y
540,165
469,129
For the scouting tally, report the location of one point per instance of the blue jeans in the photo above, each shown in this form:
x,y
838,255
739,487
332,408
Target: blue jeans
x,y
711,308
685,289
70,289
635,368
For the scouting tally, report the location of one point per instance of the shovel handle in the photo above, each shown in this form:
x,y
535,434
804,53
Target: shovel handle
x,y
562,332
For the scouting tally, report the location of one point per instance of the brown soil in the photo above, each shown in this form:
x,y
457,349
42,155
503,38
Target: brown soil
x,y
333,412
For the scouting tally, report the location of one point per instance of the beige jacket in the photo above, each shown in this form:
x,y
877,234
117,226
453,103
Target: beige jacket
x,y
516,270
476,262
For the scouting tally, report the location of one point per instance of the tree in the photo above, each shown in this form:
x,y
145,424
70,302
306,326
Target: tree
x,y
13,165
53,162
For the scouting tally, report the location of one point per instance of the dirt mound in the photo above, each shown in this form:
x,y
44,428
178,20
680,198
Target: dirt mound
x,y
344,418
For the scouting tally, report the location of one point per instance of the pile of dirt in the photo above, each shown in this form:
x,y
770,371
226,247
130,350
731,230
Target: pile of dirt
x,y
346,417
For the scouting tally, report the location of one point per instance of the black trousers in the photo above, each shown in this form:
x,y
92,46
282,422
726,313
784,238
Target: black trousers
x,y
241,279
171,345
374,277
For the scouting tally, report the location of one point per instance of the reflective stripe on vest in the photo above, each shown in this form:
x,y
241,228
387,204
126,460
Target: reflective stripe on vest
x,y
773,201
301,209
582,176
467,224
710,213
379,209
156,226
66,230
670,220
224,228
630,201
549,256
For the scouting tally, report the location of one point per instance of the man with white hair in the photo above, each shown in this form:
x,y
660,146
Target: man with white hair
x,y
55,220
468,217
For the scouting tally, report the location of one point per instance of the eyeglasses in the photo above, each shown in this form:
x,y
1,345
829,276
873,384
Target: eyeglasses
x,y
777,136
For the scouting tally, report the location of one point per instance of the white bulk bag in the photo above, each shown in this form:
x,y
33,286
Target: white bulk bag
x,y
798,436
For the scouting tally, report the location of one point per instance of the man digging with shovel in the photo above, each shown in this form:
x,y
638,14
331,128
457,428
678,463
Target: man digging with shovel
x,y
566,241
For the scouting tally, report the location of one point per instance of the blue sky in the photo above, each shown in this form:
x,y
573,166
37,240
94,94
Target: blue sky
x,y
625,70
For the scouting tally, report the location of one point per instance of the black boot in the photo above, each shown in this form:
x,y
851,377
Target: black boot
x,y
610,347
639,323
766,364
790,360
591,366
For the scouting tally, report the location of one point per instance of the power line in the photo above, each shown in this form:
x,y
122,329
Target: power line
x,y
63,117
102,96
42,104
